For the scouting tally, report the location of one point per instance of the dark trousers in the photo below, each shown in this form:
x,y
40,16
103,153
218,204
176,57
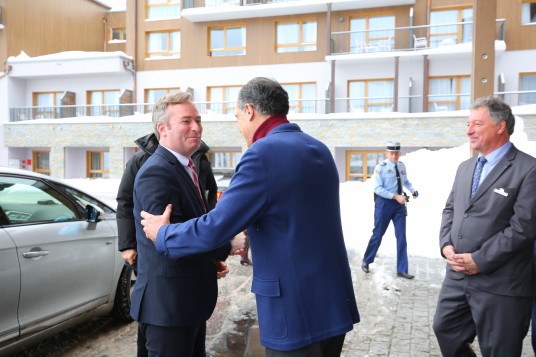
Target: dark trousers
x,y
386,211
330,347
463,312
184,341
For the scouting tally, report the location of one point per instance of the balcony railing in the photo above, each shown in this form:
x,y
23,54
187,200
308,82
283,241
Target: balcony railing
x,y
412,38
406,104
189,4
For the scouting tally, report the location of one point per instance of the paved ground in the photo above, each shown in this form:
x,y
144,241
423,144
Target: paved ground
x,y
397,314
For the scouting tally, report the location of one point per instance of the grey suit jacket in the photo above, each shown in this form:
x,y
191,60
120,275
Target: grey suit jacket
x,y
497,225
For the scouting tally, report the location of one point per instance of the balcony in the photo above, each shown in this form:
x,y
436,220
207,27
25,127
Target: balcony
x,y
437,103
408,41
217,10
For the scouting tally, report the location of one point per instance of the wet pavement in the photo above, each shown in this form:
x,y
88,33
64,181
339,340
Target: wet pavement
x,y
396,313
396,318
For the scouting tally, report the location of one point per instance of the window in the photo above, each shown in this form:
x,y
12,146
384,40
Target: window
x,y
48,105
528,12
152,95
449,93
302,97
451,34
41,162
103,102
98,164
164,44
118,34
163,9
360,164
372,33
222,99
371,95
224,159
25,200
527,82
296,36
227,41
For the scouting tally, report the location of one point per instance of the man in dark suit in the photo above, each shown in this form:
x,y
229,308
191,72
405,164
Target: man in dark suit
x,y
173,298
487,234
285,191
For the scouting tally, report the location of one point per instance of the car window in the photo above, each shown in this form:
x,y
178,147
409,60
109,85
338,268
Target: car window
x,y
24,200
84,199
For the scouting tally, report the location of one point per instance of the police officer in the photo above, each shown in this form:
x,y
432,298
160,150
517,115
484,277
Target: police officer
x,y
390,205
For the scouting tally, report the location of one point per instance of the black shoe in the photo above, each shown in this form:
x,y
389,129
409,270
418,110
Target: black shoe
x,y
365,268
405,275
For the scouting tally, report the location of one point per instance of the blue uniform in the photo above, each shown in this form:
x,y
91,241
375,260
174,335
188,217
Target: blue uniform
x,y
387,209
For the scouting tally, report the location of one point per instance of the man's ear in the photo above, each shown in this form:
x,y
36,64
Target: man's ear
x,y
249,111
161,128
502,126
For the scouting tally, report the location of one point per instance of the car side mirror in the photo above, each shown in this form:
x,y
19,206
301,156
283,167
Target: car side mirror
x,y
91,214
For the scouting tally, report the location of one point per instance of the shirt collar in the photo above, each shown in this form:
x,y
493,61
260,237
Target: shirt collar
x,y
496,155
182,159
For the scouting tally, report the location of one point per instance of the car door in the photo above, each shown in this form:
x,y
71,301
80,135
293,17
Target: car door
x,y
66,263
10,283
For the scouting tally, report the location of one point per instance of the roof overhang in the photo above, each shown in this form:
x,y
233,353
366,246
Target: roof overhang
x,y
231,12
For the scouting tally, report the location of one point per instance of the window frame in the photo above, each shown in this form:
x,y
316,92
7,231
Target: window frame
x,y
149,105
54,112
366,101
225,48
458,95
104,112
300,43
167,3
459,28
167,54
231,161
225,108
122,34
387,42
90,171
522,95
523,6
365,175
35,161
300,99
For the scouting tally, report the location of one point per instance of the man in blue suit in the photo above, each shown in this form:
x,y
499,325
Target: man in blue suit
x,y
173,298
286,193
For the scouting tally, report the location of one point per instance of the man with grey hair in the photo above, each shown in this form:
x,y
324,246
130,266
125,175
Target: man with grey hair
x,y
173,298
487,234
286,193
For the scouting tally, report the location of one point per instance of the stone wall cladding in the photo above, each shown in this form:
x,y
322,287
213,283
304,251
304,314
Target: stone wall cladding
x,y
334,131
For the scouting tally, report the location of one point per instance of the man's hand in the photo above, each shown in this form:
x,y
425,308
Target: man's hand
x,y
129,256
221,269
239,244
462,263
152,223
400,199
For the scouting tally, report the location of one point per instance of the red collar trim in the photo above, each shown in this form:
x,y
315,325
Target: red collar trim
x,y
269,124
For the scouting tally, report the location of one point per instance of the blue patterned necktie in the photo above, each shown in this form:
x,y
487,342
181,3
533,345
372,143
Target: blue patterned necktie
x,y
478,172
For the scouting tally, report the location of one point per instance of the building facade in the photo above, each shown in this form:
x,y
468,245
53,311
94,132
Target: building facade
x,y
358,73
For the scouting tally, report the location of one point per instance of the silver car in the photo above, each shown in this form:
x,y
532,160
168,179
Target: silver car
x,y
59,263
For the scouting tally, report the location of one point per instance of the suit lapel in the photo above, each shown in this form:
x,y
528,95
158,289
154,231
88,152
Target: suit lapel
x,y
182,173
494,174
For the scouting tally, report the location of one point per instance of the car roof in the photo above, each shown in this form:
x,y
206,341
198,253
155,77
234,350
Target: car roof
x,y
12,171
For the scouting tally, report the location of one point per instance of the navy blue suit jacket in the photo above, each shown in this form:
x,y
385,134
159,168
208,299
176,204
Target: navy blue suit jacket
x,y
286,193
171,292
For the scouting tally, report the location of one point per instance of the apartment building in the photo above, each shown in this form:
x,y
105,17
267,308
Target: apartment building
x,y
358,73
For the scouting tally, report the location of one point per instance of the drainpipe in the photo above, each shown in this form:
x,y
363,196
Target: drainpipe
x,y
105,25
131,67
7,69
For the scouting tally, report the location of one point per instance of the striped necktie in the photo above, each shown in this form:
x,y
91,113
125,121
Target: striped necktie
x,y
478,172
196,182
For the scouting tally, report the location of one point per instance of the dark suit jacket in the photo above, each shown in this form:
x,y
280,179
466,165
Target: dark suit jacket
x,y
286,193
497,225
171,292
